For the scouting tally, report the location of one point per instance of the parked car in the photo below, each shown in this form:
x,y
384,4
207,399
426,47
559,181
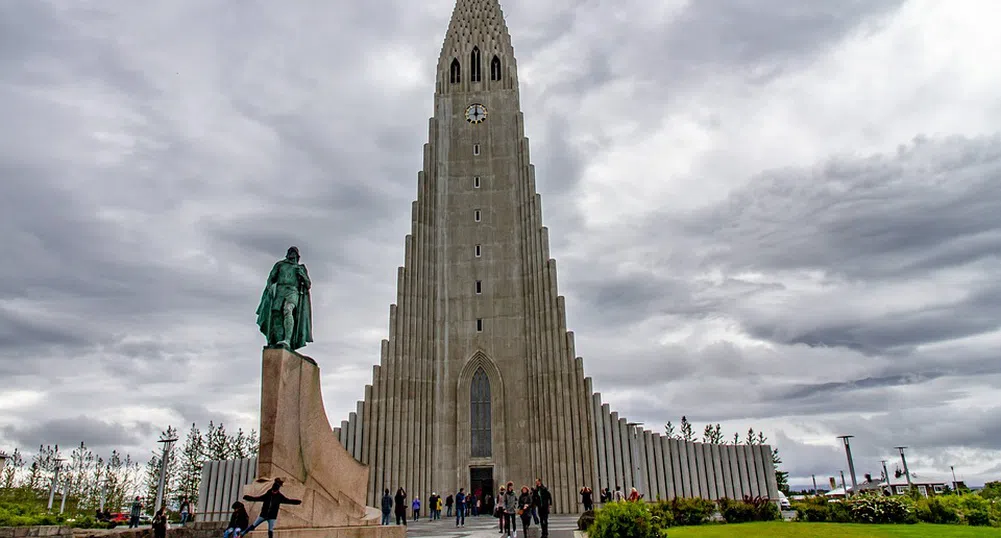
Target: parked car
x,y
784,502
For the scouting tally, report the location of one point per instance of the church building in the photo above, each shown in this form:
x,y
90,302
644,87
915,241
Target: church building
x,y
479,381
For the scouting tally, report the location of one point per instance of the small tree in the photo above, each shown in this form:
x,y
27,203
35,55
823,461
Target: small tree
x,y
712,434
781,477
669,430
686,430
190,464
15,463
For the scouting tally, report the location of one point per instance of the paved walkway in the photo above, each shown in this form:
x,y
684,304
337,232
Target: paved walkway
x,y
486,527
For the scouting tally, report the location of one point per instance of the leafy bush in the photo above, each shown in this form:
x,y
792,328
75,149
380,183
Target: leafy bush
x,y
690,511
663,517
979,518
880,509
624,520
813,510
749,509
936,510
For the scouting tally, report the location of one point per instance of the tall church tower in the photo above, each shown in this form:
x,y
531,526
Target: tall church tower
x,y
478,383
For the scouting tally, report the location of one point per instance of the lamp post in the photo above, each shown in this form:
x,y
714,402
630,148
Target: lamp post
x,y
634,441
955,485
814,484
843,485
907,473
52,487
886,475
164,462
851,464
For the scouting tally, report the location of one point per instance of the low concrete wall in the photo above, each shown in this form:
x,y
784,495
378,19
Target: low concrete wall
x,y
39,531
193,530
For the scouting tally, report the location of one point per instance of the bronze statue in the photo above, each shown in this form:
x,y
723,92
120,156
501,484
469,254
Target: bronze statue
x,y
285,312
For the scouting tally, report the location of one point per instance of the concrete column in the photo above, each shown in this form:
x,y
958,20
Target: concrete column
x,y
724,453
752,470
742,464
599,431
688,484
627,455
395,375
349,437
696,464
759,472
717,458
709,472
665,444
606,422
771,484
592,428
613,424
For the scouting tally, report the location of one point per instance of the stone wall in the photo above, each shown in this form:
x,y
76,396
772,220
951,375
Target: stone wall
x,y
194,530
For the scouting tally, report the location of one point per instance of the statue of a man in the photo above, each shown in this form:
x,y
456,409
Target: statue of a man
x,y
285,312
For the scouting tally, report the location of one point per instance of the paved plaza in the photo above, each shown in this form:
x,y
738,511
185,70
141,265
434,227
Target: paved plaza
x,y
486,527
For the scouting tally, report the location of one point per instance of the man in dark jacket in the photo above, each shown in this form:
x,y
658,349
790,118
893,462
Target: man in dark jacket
x,y
543,500
387,506
272,499
134,512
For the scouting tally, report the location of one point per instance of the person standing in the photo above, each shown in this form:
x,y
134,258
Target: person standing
x,y
387,506
587,498
272,500
400,506
525,504
134,513
160,523
510,509
185,510
634,495
618,496
437,507
460,508
416,505
238,521
543,502
448,505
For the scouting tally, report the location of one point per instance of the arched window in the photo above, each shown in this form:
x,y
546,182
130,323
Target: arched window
x,y
495,70
479,415
474,65
455,72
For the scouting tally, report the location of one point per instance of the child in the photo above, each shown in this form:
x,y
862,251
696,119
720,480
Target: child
x,y
238,521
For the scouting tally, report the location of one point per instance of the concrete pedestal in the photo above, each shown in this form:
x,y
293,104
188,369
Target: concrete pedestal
x,y
298,446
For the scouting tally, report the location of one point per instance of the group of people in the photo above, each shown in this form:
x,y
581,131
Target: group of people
x,y
530,505
607,496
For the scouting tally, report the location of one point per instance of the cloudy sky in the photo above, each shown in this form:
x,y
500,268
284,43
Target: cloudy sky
x,y
768,214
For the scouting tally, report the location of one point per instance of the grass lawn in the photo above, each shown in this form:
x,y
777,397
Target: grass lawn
x,y
782,529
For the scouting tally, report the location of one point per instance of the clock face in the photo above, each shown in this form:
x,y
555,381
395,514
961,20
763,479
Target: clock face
x,y
476,113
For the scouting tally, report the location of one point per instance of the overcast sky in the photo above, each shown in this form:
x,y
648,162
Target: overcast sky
x,y
769,214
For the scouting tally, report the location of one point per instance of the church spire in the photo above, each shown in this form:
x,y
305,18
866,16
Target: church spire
x,y
477,53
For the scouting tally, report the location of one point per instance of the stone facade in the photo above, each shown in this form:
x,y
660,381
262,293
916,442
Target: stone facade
x,y
479,382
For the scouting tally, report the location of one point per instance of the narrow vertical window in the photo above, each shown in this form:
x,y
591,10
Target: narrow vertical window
x,y
478,251
479,325
476,215
476,182
479,287
479,416
495,69
455,72
476,149
474,65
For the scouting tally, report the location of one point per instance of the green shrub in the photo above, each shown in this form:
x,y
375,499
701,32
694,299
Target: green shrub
x,y
880,509
749,509
690,511
624,520
813,510
979,518
663,517
936,510
840,512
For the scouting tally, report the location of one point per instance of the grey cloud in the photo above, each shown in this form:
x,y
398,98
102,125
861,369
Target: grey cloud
x,y
69,432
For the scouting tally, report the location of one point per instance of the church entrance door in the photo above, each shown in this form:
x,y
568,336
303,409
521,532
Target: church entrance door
x,y
481,482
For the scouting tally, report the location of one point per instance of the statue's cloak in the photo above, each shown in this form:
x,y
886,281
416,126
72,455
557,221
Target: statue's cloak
x,y
302,333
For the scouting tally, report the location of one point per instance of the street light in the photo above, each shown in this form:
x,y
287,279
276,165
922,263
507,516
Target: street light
x,y
637,472
907,473
955,485
164,461
851,464
886,476
55,479
814,484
